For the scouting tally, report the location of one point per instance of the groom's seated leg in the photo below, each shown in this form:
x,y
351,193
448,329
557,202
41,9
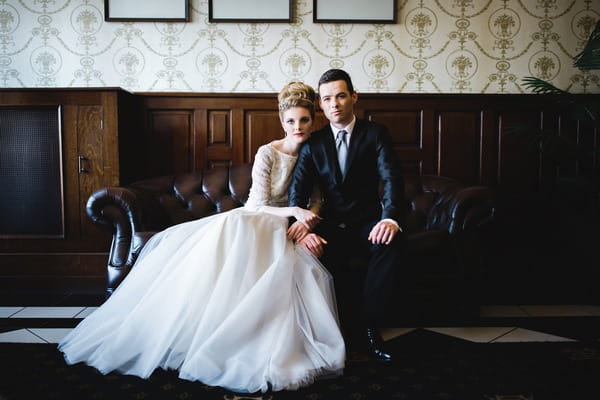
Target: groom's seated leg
x,y
348,274
379,284
381,272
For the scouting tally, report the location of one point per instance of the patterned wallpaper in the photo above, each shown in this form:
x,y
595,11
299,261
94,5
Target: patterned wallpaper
x,y
437,46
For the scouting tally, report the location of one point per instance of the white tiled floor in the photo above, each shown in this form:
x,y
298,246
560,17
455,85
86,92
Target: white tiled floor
x,y
390,333
87,311
20,336
487,334
51,335
474,334
526,335
48,312
6,312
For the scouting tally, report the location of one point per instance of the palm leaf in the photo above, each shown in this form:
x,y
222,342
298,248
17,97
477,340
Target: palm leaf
x,y
589,58
585,110
540,86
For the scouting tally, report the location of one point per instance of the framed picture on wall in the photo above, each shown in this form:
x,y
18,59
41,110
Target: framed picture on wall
x,y
250,11
355,11
146,11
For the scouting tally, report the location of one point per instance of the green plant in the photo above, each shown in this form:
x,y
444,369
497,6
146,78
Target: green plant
x,y
589,58
585,109
562,218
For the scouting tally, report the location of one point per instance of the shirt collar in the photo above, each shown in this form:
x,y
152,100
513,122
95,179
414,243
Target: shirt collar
x,y
348,128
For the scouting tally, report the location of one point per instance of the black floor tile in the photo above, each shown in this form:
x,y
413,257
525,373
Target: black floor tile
x,y
80,299
9,327
579,328
27,298
11,324
39,298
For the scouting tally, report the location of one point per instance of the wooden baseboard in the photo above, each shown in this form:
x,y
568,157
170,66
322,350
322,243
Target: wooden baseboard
x,y
53,272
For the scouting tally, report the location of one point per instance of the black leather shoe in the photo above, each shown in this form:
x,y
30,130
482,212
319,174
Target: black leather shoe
x,y
375,346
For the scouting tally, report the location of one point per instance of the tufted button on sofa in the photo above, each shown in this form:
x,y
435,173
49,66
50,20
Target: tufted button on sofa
x,y
443,224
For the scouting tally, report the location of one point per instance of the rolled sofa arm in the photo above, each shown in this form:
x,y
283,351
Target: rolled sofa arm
x,y
459,209
471,208
121,210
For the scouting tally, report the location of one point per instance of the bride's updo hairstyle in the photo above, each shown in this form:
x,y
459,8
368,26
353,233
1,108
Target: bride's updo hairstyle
x,y
297,94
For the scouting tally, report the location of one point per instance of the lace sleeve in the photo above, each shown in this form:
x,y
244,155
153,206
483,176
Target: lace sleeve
x,y
260,191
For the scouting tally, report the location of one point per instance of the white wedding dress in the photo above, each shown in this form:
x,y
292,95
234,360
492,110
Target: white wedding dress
x,y
227,300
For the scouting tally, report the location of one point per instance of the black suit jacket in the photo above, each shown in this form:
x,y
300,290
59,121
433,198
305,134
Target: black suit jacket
x,y
355,198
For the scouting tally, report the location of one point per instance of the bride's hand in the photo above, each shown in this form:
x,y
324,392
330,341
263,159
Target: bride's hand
x,y
306,217
297,231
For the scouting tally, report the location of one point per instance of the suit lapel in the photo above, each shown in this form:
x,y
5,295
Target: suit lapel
x,y
358,134
331,153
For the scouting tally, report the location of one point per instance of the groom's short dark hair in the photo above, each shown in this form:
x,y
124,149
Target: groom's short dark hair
x,y
336,75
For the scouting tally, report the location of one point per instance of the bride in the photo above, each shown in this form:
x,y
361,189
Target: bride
x,y
227,300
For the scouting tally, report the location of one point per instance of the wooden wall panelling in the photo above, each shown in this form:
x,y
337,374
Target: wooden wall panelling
x,y
92,163
488,148
550,120
558,159
320,120
411,122
43,272
461,136
219,128
238,136
221,131
219,138
459,145
199,144
518,159
406,129
429,144
90,127
170,138
131,140
262,126
108,122
586,136
70,173
570,130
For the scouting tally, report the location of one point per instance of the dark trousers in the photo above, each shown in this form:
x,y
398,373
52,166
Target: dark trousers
x,y
364,274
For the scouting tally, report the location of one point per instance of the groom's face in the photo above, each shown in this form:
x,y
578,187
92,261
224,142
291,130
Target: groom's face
x,y
337,102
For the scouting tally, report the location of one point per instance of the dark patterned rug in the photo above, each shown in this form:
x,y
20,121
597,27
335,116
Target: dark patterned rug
x,y
429,366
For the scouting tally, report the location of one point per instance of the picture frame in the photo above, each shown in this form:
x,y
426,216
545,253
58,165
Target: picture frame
x,y
255,11
355,11
146,11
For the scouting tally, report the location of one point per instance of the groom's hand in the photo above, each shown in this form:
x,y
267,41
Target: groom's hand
x,y
313,243
383,232
297,231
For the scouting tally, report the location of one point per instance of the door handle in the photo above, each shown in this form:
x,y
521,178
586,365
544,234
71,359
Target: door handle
x,y
81,164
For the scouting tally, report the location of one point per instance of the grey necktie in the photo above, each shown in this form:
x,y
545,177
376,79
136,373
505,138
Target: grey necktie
x,y
342,149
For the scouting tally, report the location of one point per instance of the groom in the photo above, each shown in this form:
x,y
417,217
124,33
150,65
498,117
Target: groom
x,y
347,160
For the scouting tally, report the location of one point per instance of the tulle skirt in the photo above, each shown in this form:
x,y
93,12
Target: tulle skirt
x,y
226,300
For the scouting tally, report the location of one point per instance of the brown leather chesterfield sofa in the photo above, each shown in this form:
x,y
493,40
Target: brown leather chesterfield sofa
x,y
443,226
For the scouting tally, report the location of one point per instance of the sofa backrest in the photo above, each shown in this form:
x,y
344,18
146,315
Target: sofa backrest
x,y
190,196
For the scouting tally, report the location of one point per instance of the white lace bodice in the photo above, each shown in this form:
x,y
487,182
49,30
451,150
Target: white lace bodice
x,y
271,176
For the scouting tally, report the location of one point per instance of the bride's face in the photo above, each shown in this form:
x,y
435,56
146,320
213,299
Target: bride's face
x,y
297,124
